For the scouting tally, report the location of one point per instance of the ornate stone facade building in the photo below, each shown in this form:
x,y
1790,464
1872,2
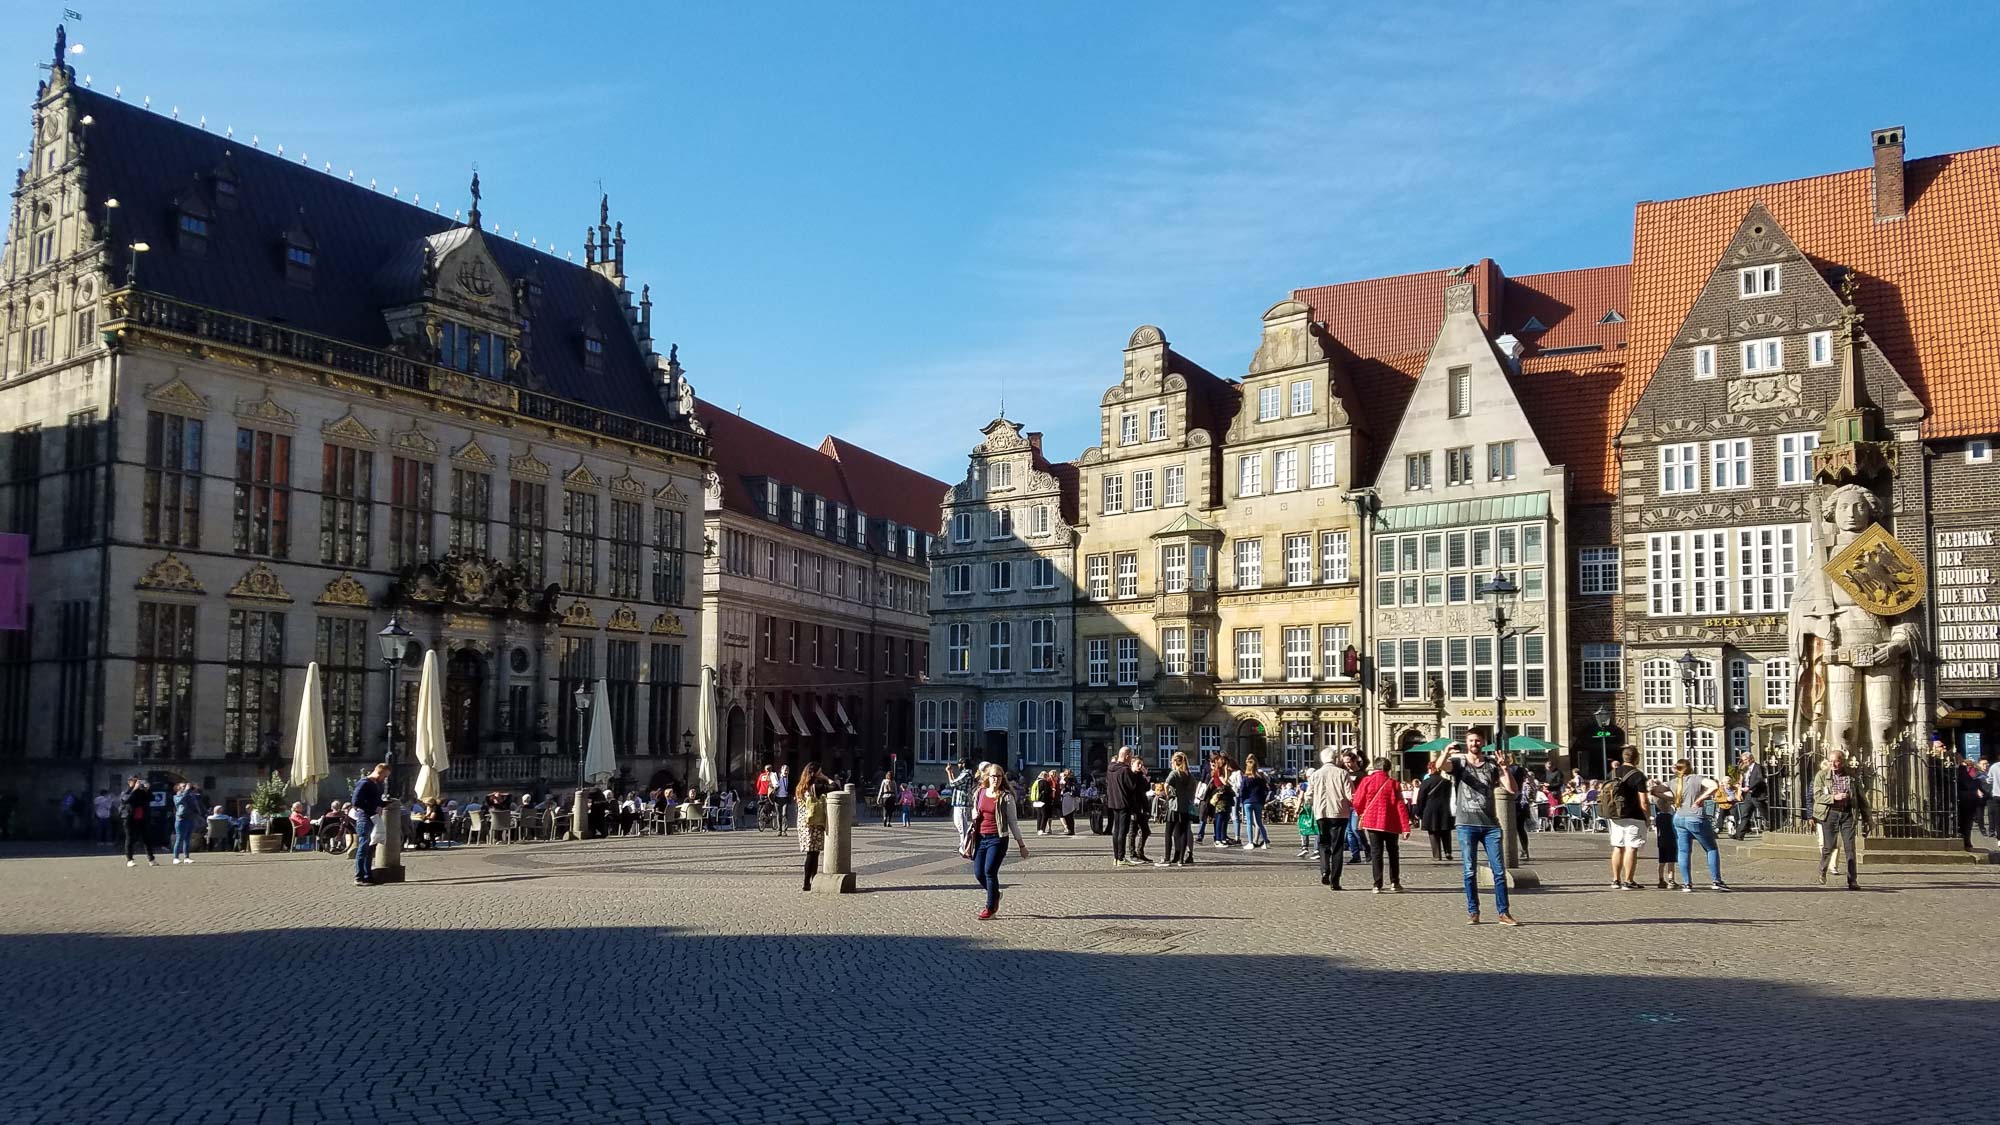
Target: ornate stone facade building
x,y
817,594
1003,610
250,410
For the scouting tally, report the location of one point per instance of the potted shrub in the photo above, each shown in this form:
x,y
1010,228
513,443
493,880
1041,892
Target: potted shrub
x,y
272,798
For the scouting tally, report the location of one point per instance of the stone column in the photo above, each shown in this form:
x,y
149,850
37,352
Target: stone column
x,y
388,853
579,815
836,859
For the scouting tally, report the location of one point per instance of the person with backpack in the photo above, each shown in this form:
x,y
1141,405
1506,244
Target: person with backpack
x,y
1624,804
1038,799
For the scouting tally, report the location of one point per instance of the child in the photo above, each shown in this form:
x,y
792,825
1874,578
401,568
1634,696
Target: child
x,y
1663,827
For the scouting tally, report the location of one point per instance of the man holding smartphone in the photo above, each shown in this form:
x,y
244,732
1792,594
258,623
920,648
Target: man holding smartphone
x,y
1475,782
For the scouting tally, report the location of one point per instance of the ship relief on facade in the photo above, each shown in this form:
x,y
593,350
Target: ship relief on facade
x,y
170,574
345,590
260,583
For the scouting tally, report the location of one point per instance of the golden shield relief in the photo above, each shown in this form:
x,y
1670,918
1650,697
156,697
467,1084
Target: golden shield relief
x,y
1879,573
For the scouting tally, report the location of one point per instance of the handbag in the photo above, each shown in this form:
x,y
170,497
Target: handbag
x,y
969,842
1201,792
1308,824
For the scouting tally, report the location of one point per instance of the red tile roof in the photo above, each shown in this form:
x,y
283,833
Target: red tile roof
x,y
838,471
1929,282
882,487
1388,325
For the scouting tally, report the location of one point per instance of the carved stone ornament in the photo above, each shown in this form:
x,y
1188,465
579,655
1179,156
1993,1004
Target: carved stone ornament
x,y
578,616
1458,298
175,394
581,476
265,411
528,465
475,582
670,496
623,620
1146,336
349,428
345,589
170,573
1764,392
669,624
260,583
628,485
415,438
471,454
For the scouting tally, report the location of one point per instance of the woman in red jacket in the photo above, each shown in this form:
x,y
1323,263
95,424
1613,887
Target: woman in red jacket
x,y
1379,808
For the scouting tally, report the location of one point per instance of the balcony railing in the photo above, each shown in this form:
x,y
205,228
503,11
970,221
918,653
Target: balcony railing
x,y
164,314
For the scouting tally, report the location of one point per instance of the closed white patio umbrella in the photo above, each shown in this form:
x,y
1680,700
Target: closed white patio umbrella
x,y
309,766
600,762
433,756
704,725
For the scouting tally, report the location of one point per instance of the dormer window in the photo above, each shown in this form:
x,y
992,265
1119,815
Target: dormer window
x,y
225,192
1758,281
593,350
301,253
462,347
193,234
222,183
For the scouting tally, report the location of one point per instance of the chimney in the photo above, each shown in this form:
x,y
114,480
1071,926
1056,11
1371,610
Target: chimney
x,y
1035,441
1888,145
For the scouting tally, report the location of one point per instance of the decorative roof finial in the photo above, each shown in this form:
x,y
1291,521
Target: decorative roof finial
x,y
62,44
475,196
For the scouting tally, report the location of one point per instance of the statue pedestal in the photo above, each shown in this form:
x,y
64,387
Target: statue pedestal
x,y
389,853
836,860
1875,851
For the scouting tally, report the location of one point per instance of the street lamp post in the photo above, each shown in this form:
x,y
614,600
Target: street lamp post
x,y
1689,680
581,697
687,753
1502,590
132,263
394,643
1603,717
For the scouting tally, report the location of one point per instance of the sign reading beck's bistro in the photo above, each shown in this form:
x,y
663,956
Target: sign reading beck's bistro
x,y
1967,603
1318,699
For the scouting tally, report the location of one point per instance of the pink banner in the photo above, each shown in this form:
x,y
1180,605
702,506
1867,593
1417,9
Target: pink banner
x,y
13,581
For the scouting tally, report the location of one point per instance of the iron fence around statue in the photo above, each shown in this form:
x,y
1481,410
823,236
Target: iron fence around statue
x,y
1911,794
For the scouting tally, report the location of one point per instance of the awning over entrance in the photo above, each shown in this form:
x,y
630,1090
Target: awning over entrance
x,y
840,709
771,713
805,728
819,713
1528,744
1434,746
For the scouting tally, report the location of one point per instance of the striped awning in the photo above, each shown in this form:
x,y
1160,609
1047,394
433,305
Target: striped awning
x,y
840,709
805,728
771,713
819,713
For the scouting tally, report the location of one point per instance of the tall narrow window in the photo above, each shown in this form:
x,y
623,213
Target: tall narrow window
x,y
1298,652
527,520
576,666
83,478
254,683
1459,384
341,647
1173,568
1334,565
263,493
24,486
1174,491
669,556
1173,650
1000,646
1298,560
1249,563
172,516
471,508
1042,644
1128,574
624,548
663,712
1249,655
346,504
409,512
579,542
163,677
1321,469
621,679
1128,661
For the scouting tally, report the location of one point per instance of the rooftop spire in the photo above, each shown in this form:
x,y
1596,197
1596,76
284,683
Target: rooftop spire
x,y
475,197
62,44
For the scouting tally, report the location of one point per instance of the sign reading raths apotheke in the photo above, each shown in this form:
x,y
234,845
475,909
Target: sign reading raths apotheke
x,y
1967,607
1315,699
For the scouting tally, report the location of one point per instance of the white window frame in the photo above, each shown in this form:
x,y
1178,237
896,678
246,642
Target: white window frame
x,y
1250,656
1156,424
1759,281
1417,472
1739,683
1000,576
1127,666
1321,468
1795,459
1250,474
1249,557
1659,680
1979,451
1335,560
1819,349
1000,646
1333,642
1173,487
1041,644
1097,576
1729,464
1114,493
1270,403
1298,644
1767,566
958,648
1125,574
1097,666
1299,559
1777,673
1284,470
1763,357
1128,429
1199,652
1038,520
1680,469
1142,490
1598,572
1174,568
1601,668
1704,362
1045,574
1302,397
1500,463
1174,650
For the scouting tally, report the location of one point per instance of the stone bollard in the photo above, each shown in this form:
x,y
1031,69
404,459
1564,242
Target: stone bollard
x,y
836,859
579,816
389,853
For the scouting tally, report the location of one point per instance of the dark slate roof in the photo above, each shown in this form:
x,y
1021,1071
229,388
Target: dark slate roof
x,y
367,244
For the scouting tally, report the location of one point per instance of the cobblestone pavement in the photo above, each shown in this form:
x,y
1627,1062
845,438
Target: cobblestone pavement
x,y
688,980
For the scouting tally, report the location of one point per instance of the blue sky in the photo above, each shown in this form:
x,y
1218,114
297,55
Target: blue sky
x,y
867,218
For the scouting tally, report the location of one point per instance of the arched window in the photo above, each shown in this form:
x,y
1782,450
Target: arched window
x,y
1661,747
1052,731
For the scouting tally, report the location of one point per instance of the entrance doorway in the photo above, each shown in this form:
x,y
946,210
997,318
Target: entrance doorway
x,y
1250,740
464,678
736,767
1414,761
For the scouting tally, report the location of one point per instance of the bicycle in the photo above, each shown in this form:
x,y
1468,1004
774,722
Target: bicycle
x,y
770,817
335,839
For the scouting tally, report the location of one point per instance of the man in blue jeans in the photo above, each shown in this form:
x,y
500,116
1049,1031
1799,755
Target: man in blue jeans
x,y
1474,780
369,794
